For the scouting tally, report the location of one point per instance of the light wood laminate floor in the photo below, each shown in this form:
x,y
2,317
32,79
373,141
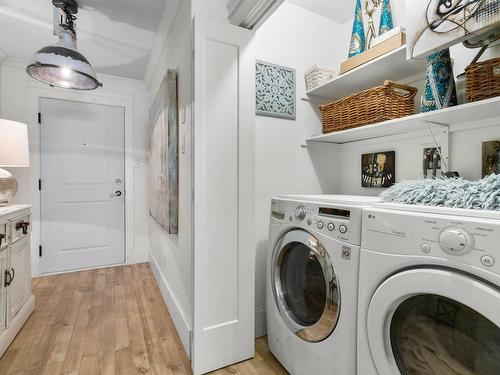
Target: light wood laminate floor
x,y
107,321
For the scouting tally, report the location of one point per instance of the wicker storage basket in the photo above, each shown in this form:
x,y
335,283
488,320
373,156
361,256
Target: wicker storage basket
x,y
483,80
390,101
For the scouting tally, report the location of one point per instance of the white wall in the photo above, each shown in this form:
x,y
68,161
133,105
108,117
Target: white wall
x,y
20,102
171,255
296,38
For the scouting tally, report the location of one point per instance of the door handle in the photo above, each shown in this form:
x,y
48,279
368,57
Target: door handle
x,y
2,237
116,194
12,276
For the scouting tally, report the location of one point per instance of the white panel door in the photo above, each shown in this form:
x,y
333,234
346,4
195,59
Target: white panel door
x,y
82,196
223,196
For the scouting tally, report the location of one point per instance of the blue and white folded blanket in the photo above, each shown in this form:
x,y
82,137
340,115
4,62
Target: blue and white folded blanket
x,y
448,192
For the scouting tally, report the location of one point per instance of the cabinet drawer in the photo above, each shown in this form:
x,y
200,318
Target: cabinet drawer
x,y
20,227
3,235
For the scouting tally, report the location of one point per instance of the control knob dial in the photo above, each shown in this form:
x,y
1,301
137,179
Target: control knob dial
x,y
300,213
456,241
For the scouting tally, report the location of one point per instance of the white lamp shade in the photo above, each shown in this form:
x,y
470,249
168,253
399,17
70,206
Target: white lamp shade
x,y
14,146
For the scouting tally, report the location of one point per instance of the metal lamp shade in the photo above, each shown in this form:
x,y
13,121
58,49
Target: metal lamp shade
x,y
61,65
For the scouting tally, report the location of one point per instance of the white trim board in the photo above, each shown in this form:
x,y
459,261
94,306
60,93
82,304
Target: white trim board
x,y
180,322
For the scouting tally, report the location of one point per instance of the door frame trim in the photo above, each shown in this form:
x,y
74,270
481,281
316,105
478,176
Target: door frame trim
x,y
113,96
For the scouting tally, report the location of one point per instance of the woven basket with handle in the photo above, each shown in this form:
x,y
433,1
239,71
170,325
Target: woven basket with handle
x,y
387,102
483,80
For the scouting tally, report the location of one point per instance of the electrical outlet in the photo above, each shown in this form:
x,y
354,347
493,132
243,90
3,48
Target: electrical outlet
x,y
432,166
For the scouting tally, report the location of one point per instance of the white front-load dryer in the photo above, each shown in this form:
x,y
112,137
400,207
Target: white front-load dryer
x,y
312,282
429,292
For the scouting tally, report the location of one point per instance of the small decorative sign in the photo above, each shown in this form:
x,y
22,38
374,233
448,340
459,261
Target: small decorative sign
x,y
378,169
275,90
491,158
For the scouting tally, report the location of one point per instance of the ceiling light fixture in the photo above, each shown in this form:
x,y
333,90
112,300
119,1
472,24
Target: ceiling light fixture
x,y
60,64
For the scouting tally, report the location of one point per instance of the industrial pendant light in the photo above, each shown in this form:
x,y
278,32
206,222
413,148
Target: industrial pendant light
x,y
60,64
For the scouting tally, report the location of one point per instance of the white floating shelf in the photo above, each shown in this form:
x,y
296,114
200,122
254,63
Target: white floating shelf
x,y
454,116
391,66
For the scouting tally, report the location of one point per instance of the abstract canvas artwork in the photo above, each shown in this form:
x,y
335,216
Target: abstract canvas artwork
x,y
378,169
275,90
438,24
164,156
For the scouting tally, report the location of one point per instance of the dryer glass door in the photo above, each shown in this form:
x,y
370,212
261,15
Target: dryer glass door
x,y
305,286
432,334
433,321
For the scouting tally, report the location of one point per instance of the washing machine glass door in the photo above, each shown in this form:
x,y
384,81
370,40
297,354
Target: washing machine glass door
x,y
305,286
426,322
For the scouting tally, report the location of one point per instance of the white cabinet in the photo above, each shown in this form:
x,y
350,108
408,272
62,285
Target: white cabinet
x,y
16,299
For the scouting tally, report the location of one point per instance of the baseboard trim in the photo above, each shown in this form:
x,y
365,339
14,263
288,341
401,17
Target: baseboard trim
x,y
180,323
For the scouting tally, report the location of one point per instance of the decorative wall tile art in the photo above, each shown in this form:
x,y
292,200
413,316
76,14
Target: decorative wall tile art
x,y
491,158
438,24
275,90
378,169
164,156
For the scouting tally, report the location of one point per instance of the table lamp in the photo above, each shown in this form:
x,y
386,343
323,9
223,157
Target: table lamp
x,y
14,153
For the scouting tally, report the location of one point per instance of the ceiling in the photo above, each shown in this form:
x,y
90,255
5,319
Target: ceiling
x,y
114,35
338,10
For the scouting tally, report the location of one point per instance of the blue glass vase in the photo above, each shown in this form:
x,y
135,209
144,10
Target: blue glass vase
x,y
439,89
358,43
386,22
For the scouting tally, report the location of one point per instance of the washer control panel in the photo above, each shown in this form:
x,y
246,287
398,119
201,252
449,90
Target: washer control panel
x,y
335,221
469,240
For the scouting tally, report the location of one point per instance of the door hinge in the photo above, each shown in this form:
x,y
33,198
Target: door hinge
x,y
40,250
39,185
39,117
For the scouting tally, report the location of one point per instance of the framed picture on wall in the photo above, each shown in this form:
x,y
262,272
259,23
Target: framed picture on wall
x,y
491,158
378,170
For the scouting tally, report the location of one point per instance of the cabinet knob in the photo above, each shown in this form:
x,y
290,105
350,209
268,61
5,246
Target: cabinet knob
x,y
23,225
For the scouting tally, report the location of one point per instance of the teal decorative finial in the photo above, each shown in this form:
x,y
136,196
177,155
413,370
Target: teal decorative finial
x,y
386,23
358,43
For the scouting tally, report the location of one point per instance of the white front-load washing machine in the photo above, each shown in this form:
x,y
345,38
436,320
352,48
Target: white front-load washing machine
x,y
312,282
429,292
